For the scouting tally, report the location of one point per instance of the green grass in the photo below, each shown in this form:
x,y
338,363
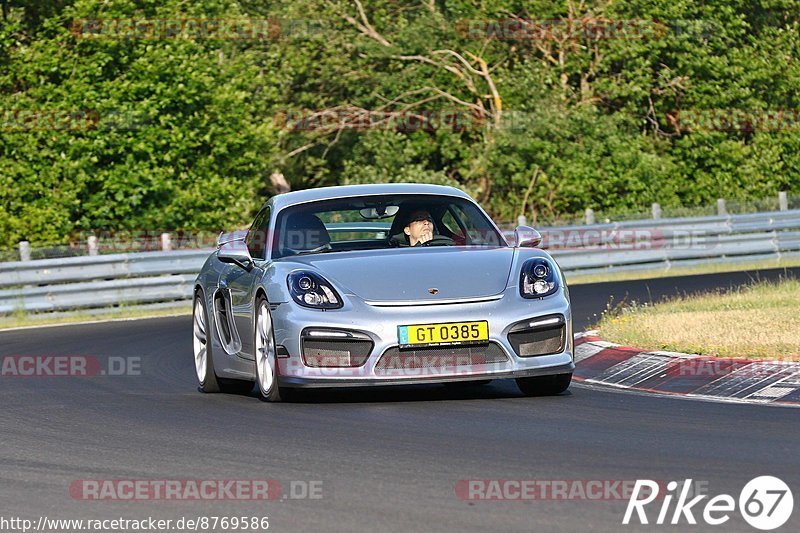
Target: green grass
x,y
761,320
20,318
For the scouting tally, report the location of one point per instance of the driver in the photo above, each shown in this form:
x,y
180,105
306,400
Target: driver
x,y
419,228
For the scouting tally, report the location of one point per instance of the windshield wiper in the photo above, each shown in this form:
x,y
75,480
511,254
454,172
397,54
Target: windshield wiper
x,y
314,252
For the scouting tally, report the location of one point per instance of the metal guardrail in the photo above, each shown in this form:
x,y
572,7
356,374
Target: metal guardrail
x,y
98,267
642,244
150,277
104,293
98,281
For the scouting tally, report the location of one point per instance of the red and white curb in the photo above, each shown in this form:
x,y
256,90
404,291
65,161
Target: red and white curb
x,y
712,378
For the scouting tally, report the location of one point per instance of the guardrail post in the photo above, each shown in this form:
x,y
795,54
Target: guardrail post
x,y
656,210
589,216
721,209
166,242
783,201
522,220
91,243
24,251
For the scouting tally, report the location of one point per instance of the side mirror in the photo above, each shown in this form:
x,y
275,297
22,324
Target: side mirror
x,y
228,238
236,252
527,237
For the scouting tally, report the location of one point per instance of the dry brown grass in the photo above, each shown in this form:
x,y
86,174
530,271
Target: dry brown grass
x,y
757,321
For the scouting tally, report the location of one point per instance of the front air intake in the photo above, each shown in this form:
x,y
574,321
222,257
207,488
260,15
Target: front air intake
x,y
539,336
439,358
323,348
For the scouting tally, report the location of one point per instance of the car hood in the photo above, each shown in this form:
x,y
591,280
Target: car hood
x,y
409,274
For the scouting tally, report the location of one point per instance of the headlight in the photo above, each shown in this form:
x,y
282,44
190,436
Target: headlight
x,y
537,279
311,290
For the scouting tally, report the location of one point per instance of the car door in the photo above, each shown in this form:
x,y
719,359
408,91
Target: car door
x,y
242,284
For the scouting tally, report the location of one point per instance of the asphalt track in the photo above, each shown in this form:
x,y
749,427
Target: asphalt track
x,y
388,459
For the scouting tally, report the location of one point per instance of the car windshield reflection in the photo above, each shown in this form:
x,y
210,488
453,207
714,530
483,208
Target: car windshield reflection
x,y
382,222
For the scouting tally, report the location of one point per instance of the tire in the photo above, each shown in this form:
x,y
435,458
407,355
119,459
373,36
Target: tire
x,y
203,358
201,345
265,353
544,385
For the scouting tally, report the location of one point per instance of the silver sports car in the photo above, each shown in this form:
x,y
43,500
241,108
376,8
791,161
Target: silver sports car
x,y
379,285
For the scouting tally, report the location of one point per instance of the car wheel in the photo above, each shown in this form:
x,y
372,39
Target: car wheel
x,y
266,357
203,360
544,385
201,344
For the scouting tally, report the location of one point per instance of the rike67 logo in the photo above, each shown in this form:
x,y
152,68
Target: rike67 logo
x,y
765,503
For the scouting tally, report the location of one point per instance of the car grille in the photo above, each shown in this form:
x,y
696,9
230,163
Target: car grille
x,y
336,353
440,357
535,342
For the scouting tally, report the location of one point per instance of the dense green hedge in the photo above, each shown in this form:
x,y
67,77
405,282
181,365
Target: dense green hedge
x,y
100,131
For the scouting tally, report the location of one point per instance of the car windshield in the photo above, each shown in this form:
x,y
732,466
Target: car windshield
x,y
376,222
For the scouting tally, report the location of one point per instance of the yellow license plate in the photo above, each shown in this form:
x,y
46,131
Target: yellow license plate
x,y
441,334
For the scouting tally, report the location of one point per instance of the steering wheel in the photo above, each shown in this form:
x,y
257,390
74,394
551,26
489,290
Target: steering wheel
x,y
439,240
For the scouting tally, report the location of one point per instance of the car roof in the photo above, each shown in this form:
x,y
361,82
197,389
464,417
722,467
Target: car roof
x,y
279,201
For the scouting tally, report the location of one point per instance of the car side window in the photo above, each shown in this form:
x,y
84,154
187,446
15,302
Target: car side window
x,y
258,235
451,224
480,233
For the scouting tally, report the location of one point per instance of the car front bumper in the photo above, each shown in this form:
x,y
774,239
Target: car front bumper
x,y
380,324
